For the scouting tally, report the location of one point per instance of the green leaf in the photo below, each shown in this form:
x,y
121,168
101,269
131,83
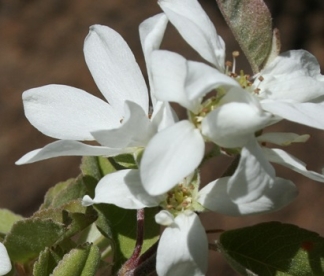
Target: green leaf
x,y
119,225
29,237
52,193
92,168
73,215
82,261
274,248
58,215
64,192
47,261
7,219
250,22
79,222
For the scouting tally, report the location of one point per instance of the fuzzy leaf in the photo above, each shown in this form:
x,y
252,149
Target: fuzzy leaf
x,y
250,22
63,192
74,190
52,193
7,219
273,248
79,222
73,215
82,261
29,237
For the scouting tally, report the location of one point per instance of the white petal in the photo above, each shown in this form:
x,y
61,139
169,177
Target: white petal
x,y
252,176
151,33
292,75
202,79
123,189
114,68
235,122
196,28
183,248
282,138
214,197
283,158
68,148
169,72
164,218
135,130
5,264
65,112
163,115
170,156
309,114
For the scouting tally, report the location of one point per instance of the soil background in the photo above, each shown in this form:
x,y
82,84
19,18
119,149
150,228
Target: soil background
x,y
41,43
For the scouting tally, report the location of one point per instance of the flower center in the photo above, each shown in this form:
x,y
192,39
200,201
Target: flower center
x,y
180,198
207,106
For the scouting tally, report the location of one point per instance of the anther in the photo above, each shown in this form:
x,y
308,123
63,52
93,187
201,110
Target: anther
x,y
228,65
235,53
257,90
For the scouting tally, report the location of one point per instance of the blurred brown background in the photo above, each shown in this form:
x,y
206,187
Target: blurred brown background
x,y
41,43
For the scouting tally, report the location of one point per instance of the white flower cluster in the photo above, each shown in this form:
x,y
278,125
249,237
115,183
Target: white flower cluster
x,y
290,87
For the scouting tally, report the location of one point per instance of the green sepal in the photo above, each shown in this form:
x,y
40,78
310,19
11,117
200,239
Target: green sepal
x,y
124,161
251,24
81,261
273,248
7,219
119,225
96,167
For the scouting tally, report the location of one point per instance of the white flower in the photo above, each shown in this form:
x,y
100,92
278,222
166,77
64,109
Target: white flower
x,y
292,78
183,249
228,119
71,114
5,264
291,87
239,109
